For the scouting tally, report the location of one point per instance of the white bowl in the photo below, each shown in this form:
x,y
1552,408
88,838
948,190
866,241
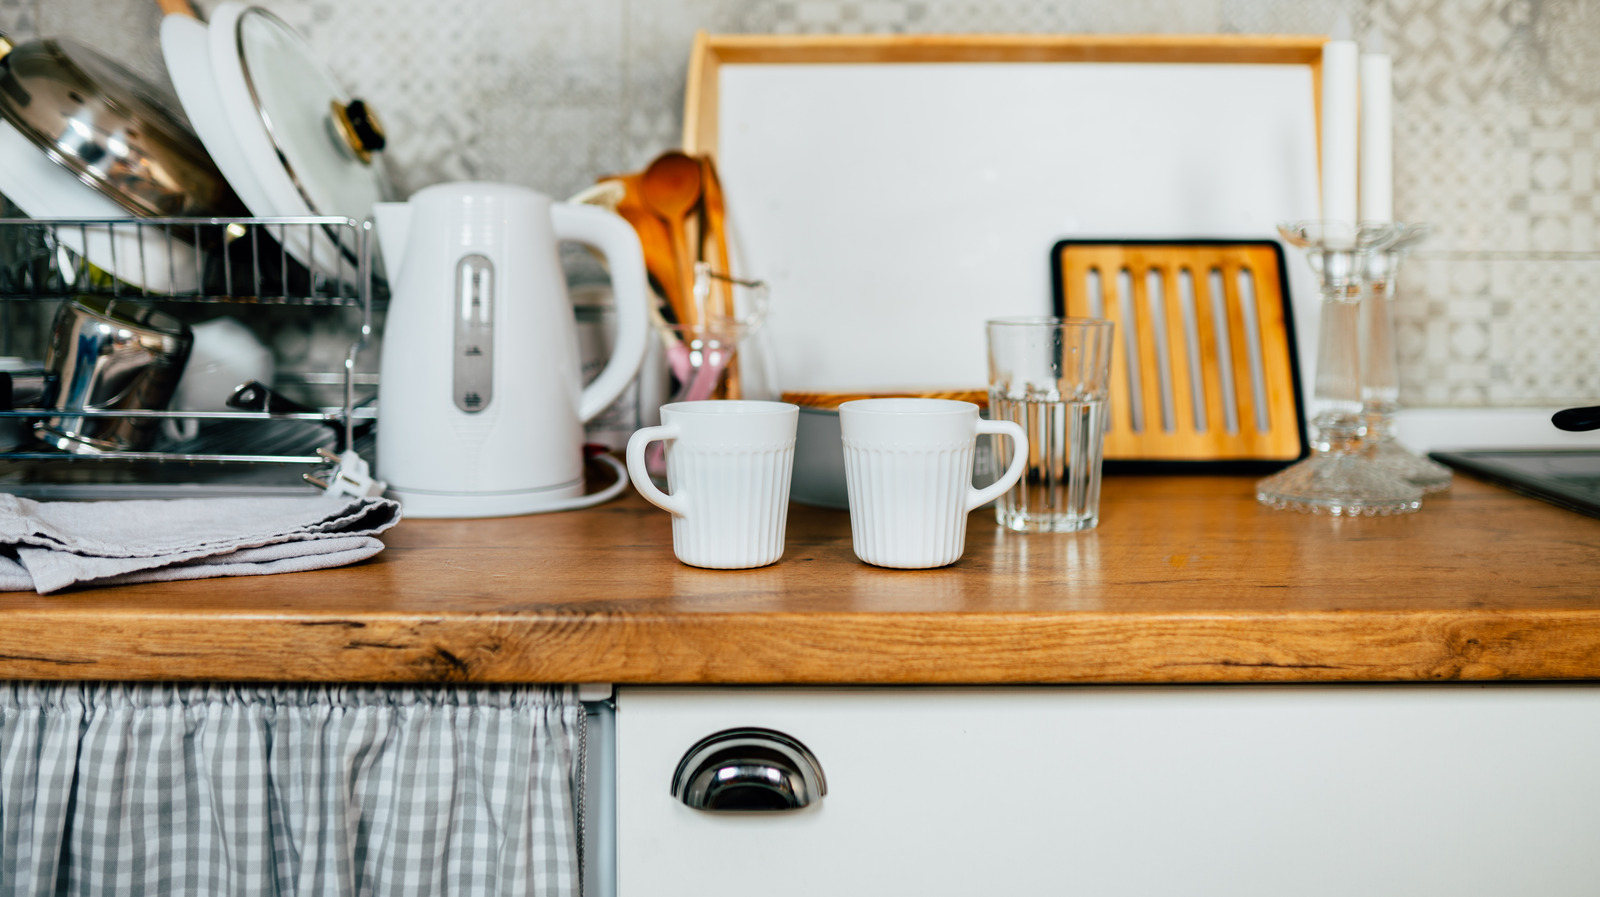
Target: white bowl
x,y
818,478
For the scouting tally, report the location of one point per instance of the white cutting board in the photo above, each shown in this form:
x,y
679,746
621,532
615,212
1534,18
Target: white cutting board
x,y
894,207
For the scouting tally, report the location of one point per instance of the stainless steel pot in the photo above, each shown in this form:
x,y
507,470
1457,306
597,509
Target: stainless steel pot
x,y
110,355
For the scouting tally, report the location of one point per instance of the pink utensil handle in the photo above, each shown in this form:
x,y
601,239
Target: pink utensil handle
x,y
705,378
678,359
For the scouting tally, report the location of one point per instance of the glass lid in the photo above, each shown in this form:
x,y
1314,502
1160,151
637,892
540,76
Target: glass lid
x,y
327,141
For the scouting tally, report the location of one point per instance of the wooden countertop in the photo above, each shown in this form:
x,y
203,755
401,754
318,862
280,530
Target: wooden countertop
x,y
1186,580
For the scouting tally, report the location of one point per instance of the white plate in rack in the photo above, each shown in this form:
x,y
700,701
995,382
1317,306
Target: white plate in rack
x,y
260,101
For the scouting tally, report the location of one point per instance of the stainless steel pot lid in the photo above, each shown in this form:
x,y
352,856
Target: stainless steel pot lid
x,y
111,128
326,141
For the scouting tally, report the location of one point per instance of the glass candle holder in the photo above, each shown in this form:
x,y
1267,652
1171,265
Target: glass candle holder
x,y
1380,385
1339,478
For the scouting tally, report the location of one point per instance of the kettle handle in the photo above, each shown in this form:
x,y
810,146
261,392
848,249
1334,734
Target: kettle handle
x,y
618,242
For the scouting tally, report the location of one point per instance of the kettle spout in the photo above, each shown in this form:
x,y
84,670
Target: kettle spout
x,y
394,221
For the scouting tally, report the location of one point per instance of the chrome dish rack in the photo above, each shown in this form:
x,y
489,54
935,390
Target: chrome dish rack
x,y
174,262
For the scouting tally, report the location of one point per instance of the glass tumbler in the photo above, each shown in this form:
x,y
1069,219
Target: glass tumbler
x,y
1051,377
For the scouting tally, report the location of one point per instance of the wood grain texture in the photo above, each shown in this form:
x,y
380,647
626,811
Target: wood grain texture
x,y
1195,432
1186,580
829,401
711,52
1158,48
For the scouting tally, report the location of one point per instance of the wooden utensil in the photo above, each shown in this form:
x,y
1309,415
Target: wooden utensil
x,y
714,250
714,237
656,243
832,400
671,188
178,8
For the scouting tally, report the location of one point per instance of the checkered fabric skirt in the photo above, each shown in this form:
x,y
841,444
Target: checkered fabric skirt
x,y
316,790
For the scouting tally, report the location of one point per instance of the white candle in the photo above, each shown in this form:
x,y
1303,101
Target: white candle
x,y
1377,139
1339,65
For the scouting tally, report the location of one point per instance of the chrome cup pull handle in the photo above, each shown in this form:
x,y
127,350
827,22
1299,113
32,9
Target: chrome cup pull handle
x,y
748,770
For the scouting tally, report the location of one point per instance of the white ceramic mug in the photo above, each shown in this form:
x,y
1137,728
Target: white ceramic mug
x,y
728,469
908,470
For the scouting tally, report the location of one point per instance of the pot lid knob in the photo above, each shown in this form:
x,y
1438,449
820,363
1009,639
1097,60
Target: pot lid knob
x,y
360,127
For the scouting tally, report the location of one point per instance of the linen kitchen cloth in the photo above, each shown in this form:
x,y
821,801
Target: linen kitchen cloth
x,y
48,546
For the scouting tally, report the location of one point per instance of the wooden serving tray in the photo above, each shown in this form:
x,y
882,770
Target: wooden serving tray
x,y
898,190
1204,365
701,104
832,400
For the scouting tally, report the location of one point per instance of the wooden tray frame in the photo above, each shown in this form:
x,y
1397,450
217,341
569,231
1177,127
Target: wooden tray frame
x,y
712,51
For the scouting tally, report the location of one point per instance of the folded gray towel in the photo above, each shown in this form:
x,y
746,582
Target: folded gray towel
x,y
48,546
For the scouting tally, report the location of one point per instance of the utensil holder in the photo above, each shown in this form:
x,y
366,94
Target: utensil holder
x,y
701,355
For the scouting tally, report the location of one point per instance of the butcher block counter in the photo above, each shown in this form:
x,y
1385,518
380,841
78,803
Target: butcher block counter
x,y
1187,580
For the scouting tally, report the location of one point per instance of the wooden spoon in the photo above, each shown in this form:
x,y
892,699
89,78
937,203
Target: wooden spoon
x,y
671,188
714,249
659,259
714,237
178,8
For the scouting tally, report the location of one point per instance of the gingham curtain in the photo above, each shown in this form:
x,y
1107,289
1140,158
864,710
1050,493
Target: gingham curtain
x,y
217,790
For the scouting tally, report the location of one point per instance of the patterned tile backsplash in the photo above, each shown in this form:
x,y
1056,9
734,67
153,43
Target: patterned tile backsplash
x,y
1497,130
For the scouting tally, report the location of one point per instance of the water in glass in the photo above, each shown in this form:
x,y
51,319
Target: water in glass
x,y
1060,488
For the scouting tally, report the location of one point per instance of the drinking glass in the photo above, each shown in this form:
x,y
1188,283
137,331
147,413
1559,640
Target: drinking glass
x,y
1051,376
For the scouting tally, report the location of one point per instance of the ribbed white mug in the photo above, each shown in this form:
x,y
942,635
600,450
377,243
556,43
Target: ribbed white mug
x,y
908,470
728,468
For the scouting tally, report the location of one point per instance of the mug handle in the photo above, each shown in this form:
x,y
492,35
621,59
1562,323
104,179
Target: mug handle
x,y
673,504
1019,460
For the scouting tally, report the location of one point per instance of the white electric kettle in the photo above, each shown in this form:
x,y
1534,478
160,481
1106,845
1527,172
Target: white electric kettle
x,y
481,402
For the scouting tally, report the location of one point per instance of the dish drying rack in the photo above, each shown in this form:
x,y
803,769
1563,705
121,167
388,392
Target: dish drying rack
x,y
238,261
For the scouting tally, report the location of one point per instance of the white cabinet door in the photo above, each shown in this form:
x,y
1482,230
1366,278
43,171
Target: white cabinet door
x,y
1277,790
